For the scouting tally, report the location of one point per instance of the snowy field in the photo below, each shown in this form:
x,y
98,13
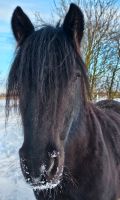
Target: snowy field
x,y
12,184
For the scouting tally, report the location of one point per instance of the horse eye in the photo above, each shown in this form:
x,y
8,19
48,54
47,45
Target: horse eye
x,y
77,74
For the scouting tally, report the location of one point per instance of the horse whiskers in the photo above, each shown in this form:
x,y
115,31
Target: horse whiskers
x,y
56,190
69,178
52,193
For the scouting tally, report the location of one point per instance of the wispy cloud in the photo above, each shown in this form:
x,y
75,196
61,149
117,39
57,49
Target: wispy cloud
x,y
7,7
5,14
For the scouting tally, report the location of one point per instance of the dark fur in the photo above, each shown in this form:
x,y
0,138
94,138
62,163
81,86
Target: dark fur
x,y
49,79
109,104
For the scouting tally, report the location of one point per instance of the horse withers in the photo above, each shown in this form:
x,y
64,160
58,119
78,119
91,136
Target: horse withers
x,y
71,148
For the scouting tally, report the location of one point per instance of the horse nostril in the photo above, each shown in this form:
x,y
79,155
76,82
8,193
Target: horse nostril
x,y
54,154
53,163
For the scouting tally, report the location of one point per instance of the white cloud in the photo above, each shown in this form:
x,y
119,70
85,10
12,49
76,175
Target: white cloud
x,y
7,7
6,13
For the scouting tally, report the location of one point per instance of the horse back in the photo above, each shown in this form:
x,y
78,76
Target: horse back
x,y
109,105
108,114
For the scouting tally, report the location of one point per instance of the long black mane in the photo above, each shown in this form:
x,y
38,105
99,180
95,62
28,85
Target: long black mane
x,y
46,70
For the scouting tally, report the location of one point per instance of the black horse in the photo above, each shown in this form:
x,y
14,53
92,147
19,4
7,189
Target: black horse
x,y
71,148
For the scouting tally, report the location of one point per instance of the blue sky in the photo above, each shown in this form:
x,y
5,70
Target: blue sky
x,y
7,42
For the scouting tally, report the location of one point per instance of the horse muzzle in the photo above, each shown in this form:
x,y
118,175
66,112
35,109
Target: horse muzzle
x,y
44,176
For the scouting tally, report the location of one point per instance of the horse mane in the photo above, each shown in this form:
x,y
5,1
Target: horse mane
x,y
44,62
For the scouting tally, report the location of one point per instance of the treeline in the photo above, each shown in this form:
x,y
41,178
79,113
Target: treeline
x,y
2,95
100,45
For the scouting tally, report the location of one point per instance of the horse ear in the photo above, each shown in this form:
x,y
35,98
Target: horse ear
x,y
22,27
74,24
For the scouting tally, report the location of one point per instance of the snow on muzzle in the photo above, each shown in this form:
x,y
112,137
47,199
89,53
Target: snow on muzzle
x,y
47,178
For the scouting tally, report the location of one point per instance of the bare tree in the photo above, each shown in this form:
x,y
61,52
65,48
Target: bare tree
x,y
101,44
101,57
112,81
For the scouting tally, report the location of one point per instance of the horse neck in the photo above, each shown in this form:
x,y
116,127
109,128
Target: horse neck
x,y
84,132
78,136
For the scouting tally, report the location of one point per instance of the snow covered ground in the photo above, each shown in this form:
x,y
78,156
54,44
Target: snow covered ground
x,y
12,184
